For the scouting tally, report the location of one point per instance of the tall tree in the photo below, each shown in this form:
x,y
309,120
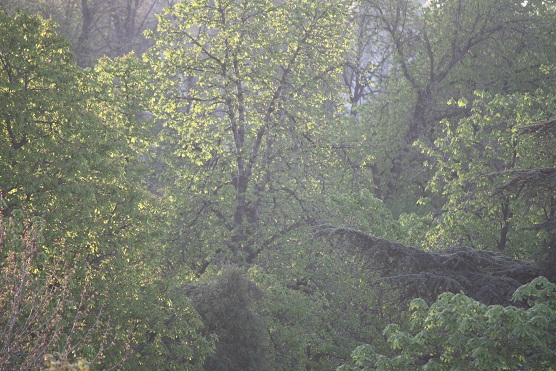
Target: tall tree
x,y
442,50
248,91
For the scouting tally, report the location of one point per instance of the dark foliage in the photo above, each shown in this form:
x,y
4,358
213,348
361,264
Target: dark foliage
x,y
485,276
226,307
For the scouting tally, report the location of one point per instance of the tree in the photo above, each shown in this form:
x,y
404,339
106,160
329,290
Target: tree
x,y
472,162
248,92
71,140
368,64
457,332
535,183
63,139
443,50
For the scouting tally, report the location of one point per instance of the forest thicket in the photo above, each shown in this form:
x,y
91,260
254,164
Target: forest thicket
x,y
277,184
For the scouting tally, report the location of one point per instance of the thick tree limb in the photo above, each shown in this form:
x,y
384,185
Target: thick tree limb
x,y
485,276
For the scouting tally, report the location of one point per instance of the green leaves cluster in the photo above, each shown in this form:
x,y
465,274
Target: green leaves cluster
x,y
457,332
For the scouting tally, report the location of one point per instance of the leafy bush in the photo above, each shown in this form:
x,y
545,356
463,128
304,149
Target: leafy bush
x,y
459,333
226,305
